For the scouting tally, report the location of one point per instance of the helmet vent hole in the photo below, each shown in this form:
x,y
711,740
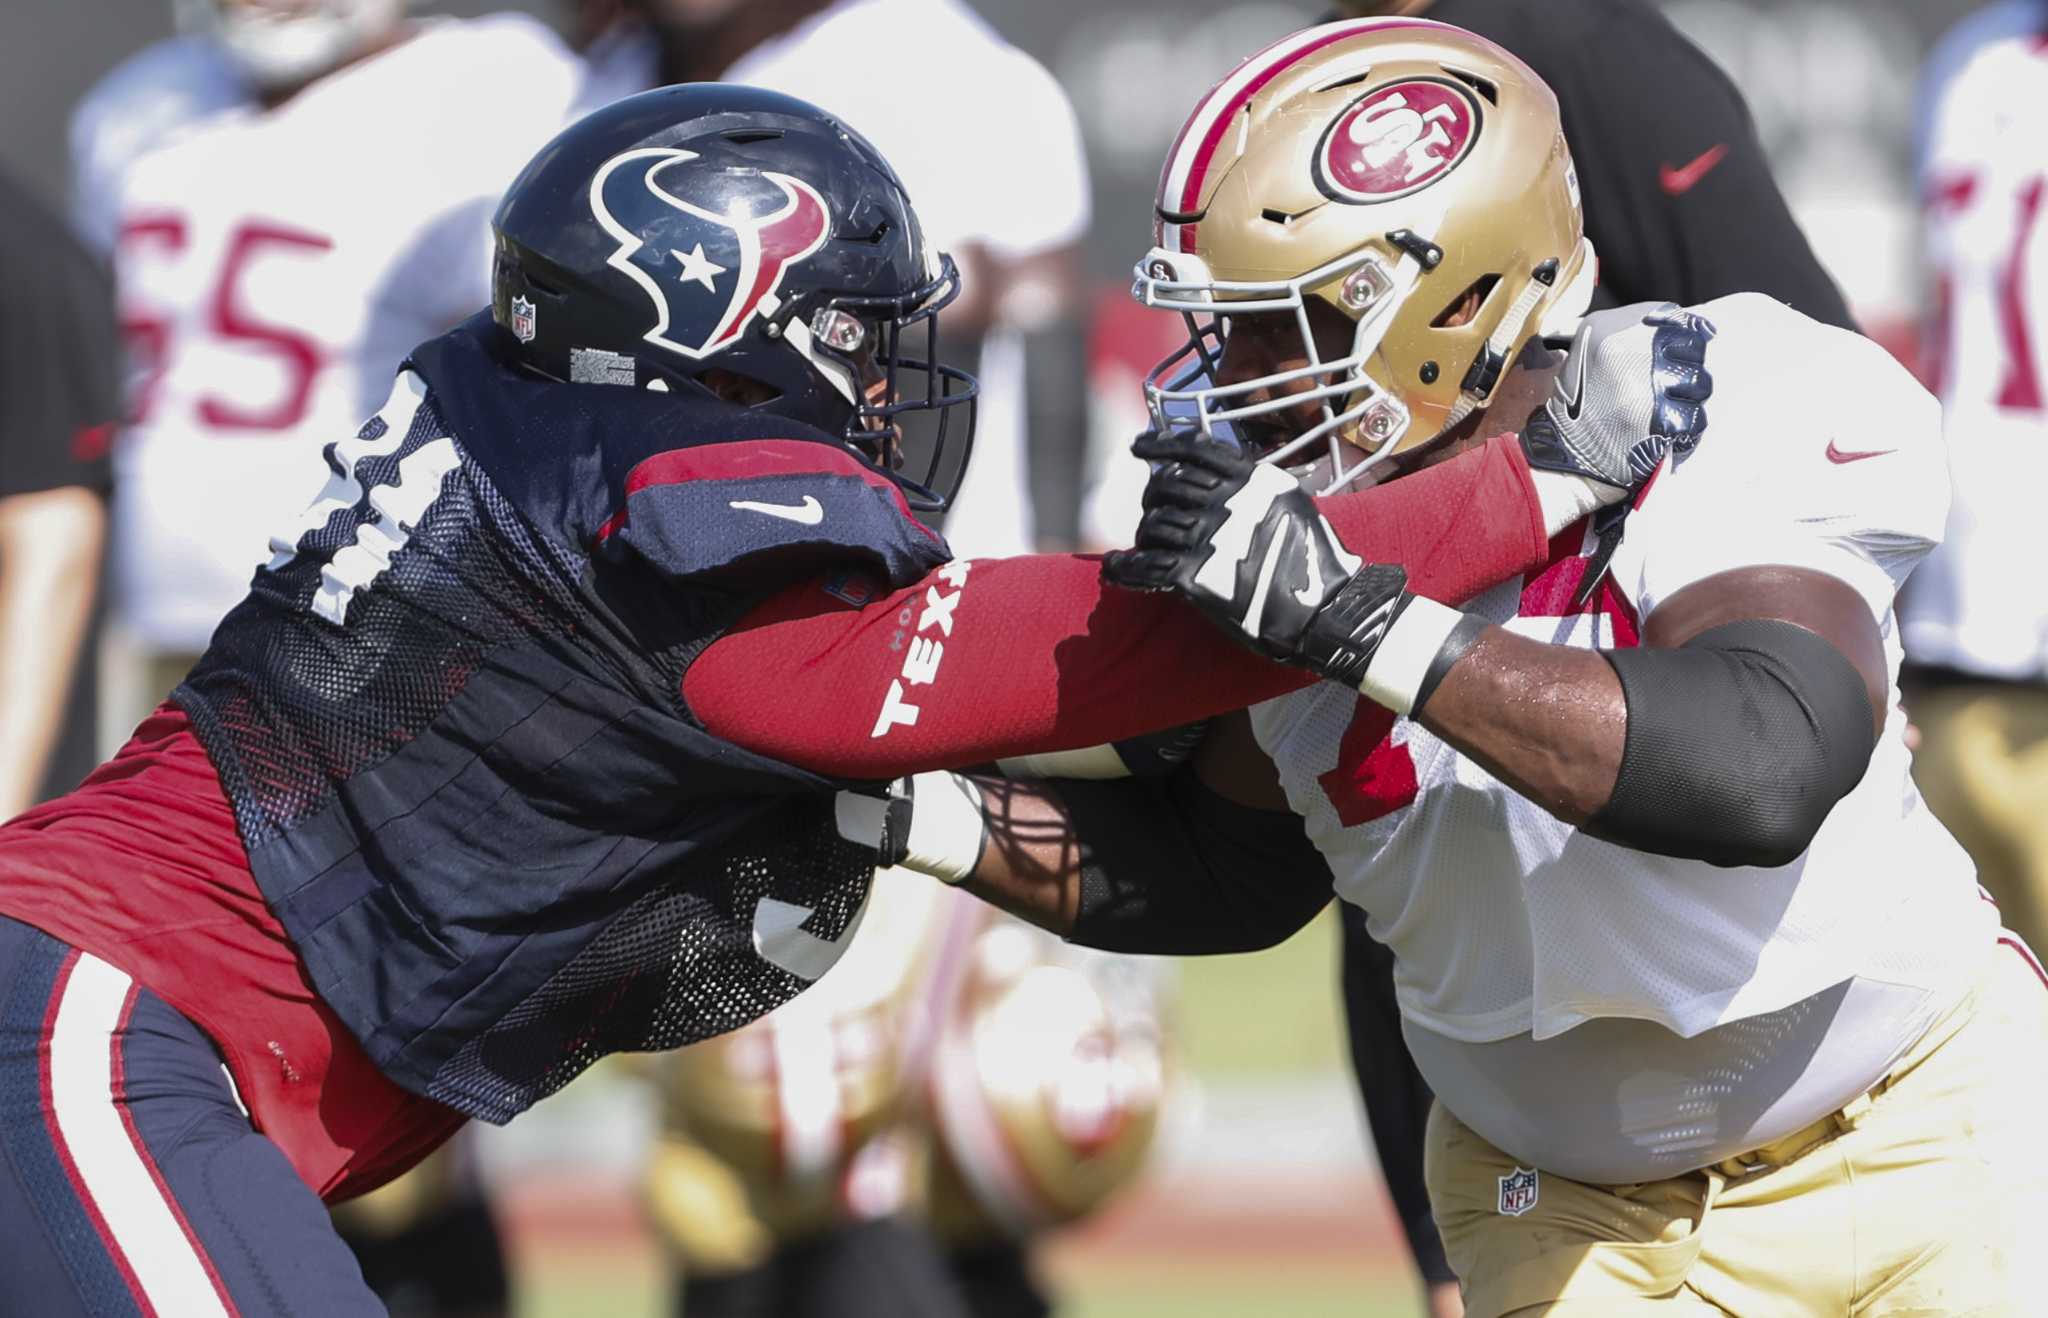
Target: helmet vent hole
x,y
744,136
882,230
1464,308
1483,86
1349,80
1276,217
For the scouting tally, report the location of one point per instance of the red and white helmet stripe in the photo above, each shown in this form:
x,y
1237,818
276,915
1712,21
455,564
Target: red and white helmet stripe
x,y
1193,152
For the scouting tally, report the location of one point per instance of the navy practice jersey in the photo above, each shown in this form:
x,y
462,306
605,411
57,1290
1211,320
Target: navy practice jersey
x,y
449,717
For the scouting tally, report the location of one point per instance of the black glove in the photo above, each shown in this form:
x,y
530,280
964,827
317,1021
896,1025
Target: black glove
x,y
1634,388
1245,544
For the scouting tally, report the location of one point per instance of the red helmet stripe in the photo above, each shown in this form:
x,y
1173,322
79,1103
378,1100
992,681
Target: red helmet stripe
x,y
1187,163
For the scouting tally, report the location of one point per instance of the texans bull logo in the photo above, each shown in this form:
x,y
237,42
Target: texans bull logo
x,y
713,273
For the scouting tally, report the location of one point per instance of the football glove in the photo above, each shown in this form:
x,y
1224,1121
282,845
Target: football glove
x,y
1633,389
1243,542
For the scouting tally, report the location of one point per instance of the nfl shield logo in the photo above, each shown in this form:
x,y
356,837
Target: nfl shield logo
x,y
522,319
1517,1192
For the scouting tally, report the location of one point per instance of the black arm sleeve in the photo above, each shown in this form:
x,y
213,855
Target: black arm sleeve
x,y
1739,743
1679,200
59,357
1397,1098
1171,868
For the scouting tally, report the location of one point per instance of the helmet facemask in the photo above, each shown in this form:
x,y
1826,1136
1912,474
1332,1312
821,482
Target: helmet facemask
x,y
881,353
1361,420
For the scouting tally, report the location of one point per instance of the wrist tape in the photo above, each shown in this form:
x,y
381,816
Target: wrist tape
x,y
1426,638
947,827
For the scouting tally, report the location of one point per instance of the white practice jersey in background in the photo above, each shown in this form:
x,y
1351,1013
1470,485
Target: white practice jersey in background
x,y
1820,452
989,149
273,268
1980,604
151,98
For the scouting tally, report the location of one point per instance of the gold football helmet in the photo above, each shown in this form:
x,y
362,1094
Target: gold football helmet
x,y
1402,172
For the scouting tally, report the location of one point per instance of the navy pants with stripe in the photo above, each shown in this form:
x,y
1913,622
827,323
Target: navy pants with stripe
x,y
132,1182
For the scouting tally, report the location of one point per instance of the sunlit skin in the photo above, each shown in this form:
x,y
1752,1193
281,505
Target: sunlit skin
x,y
1268,343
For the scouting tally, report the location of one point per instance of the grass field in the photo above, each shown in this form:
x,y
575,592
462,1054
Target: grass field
x,y
1194,1242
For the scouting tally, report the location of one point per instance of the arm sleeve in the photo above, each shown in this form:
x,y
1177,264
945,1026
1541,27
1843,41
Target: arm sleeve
x,y
1679,199
990,659
1171,868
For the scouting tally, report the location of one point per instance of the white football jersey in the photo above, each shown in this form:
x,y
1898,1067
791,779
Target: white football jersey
x,y
989,148
273,268
1820,452
1981,603
153,97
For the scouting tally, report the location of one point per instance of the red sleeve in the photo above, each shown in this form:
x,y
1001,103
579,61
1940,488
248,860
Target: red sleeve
x,y
1013,656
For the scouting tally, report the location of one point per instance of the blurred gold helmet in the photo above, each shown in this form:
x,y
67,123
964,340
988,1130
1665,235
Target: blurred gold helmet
x,y
1389,167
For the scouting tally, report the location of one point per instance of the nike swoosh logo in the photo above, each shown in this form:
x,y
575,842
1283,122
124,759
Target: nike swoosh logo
x,y
781,940
1677,182
810,512
1578,394
1839,455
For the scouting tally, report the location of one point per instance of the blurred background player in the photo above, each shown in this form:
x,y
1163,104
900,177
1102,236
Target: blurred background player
x,y
989,147
59,396
1975,616
896,1144
292,196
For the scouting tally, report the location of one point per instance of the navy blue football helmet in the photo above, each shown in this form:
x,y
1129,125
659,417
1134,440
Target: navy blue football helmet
x,y
713,228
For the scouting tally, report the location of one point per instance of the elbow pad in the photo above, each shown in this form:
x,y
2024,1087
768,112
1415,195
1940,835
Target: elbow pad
x,y
1739,743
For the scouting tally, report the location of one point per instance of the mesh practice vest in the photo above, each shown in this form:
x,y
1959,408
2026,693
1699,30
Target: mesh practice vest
x,y
449,716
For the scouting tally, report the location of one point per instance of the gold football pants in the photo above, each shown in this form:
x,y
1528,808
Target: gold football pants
x,y
1925,1196
1982,764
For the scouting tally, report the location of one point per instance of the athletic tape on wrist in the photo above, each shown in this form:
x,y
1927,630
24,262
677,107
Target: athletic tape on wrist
x,y
1402,663
947,827
1088,762
1565,498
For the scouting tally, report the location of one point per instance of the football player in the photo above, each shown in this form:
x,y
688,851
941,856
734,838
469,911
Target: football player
x,y
1680,203
291,195
1975,623
1715,1017
555,726
1012,215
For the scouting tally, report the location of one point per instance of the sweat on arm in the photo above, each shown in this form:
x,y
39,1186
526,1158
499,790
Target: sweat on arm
x,y
995,658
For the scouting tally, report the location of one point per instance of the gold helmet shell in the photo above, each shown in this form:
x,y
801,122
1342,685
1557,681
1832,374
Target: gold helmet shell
x,y
1388,167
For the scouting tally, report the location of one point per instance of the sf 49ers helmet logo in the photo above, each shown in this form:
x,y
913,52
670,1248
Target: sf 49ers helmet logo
x,y
1396,139
707,274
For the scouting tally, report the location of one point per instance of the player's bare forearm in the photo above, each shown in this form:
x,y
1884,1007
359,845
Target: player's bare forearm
x,y
1553,722
49,563
1548,721
1030,863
